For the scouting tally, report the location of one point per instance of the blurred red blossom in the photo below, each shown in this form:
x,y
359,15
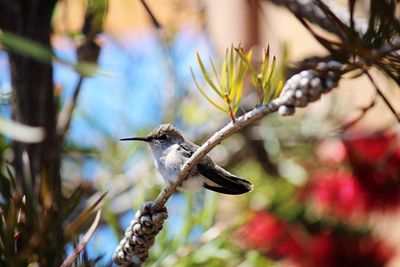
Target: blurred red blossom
x,y
331,151
335,250
270,235
371,183
274,237
375,162
336,193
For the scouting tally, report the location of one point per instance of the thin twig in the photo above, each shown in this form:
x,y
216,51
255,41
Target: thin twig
x,y
231,113
154,20
64,120
364,111
71,258
316,16
379,91
87,51
169,63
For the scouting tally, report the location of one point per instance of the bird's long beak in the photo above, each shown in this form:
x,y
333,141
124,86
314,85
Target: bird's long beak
x,y
144,139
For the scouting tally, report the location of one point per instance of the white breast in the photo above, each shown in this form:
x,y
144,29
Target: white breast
x,y
168,164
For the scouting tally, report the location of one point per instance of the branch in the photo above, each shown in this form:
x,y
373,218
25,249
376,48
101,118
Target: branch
x,y
307,9
363,112
64,120
71,258
300,90
384,98
88,51
169,113
153,18
233,127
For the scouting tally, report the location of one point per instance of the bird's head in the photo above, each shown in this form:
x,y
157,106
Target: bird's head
x,y
161,137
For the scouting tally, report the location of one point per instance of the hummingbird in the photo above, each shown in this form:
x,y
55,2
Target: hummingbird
x,y
171,151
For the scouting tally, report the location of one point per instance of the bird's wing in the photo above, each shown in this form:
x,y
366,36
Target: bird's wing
x,y
220,180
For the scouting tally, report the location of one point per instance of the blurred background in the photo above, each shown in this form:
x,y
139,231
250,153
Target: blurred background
x,y
324,194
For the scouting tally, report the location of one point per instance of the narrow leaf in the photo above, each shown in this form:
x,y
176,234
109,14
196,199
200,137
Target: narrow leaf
x,y
264,66
73,228
278,89
204,94
71,258
21,132
224,78
238,84
206,76
271,70
247,60
238,97
214,70
231,69
24,46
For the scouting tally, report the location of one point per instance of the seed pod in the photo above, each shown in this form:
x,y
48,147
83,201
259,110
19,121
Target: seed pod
x,y
129,249
138,214
158,218
133,240
146,220
140,240
133,222
128,233
286,110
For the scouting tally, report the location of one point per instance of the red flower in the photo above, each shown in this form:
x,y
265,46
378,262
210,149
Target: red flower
x,y
275,238
334,250
375,161
336,193
270,235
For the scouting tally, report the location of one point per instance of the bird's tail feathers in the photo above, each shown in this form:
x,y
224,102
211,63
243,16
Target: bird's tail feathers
x,y
225,182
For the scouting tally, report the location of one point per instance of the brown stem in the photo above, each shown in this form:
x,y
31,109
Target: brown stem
x,y
65,118
231,114
153,18
379,91
364,112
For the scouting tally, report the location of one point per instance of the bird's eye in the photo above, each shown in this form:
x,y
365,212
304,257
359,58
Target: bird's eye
x,y
162,137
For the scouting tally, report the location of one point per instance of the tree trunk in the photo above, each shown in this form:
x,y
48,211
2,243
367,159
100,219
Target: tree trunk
x,y
33,95
34,104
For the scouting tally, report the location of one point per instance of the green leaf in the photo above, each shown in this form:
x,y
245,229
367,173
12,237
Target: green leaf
x,y
39,52
204,94
224,79
238,97
214,70
267,93
266,84
206,76
247,60
278,89
99,10
264,66
231,69
24,46
73,228
238,81
271,70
